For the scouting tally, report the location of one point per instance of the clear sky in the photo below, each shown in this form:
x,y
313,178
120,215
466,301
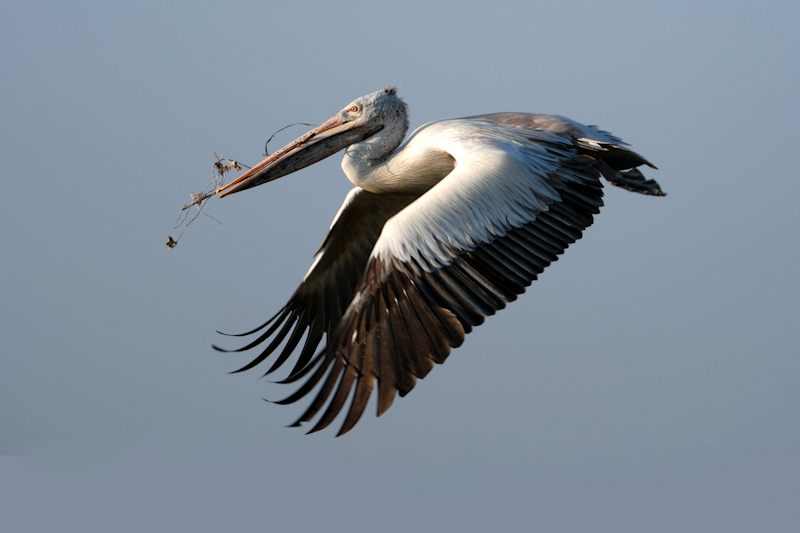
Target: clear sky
x,y
647,382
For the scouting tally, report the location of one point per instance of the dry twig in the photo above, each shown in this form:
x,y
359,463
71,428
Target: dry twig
x,y
221,167
266,144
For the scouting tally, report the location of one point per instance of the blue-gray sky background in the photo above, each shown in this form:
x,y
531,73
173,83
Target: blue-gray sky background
x,y
648,380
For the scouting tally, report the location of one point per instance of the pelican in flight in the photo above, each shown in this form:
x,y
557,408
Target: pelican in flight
x,y
440,231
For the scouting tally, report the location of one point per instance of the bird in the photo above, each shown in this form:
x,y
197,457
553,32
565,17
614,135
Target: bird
x,y
440,231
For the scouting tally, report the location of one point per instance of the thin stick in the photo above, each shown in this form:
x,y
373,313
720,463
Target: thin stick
x,y
266,150
199,200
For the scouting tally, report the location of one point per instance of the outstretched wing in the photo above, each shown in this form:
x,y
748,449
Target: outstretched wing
x,y
514,202
317,306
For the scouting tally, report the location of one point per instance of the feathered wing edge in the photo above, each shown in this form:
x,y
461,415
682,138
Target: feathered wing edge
x,y
316,307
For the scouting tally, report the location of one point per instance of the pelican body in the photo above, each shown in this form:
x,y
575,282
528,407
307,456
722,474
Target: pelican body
x,y
439,232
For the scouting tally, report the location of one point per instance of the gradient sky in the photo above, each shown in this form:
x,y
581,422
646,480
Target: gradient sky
x,y
647,382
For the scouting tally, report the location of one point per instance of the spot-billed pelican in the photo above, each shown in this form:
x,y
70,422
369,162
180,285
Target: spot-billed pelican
x,y
440,231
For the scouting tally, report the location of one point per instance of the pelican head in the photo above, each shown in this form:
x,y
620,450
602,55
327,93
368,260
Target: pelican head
x,y
370,127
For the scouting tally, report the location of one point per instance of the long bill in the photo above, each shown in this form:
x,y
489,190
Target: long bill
x,y
321,142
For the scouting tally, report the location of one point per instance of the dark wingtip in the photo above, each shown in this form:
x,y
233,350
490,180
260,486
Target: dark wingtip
x,y
239,334
315,429
248,366
344,430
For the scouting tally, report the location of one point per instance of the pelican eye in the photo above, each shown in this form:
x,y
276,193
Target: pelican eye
x,y
354,109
